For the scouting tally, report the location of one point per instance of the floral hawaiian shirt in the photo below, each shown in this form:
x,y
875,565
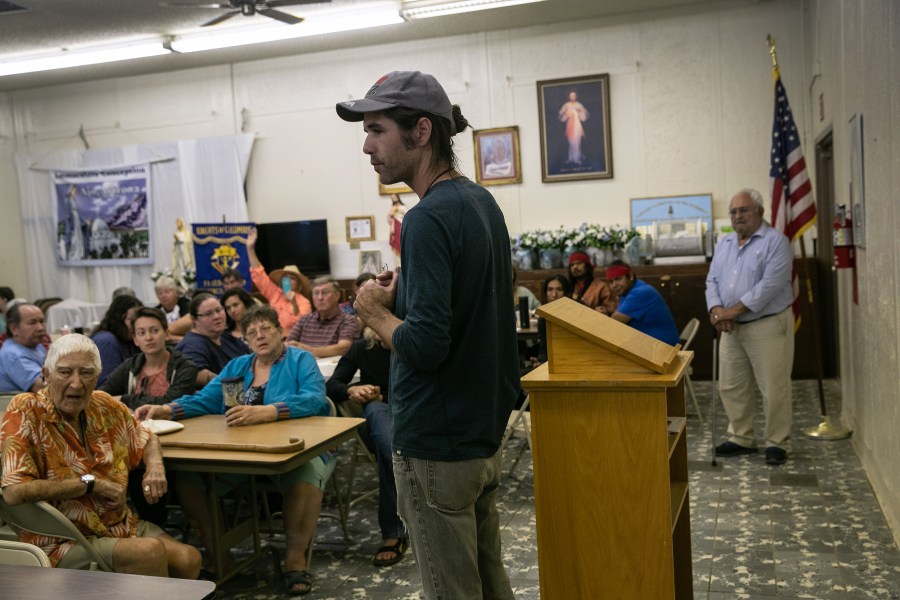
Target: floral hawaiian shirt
x,y
37,443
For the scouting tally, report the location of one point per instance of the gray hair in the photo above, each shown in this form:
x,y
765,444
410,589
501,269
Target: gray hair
x,y
72,344
167,283
123,291
755,196
326,280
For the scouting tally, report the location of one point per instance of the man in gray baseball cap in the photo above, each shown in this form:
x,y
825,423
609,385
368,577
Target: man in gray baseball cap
x,y
409,89
454,371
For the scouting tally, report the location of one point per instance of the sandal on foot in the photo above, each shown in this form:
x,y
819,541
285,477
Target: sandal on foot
x,y
298,578
398,548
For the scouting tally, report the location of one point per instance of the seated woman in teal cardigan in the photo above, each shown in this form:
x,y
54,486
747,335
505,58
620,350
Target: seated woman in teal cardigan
x,y
279,382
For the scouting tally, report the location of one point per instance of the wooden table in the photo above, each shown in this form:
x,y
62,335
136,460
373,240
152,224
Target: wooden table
x,y
37,583
220,452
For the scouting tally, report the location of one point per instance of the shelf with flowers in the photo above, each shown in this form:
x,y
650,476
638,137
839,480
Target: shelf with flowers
x,y
550,249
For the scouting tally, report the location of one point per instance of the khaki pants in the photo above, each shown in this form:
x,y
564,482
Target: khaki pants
x,y
758,354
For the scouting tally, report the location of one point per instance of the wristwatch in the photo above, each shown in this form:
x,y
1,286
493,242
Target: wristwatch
x,y
88,480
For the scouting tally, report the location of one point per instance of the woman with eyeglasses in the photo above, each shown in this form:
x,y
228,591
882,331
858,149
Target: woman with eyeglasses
x,y
279,382
208,345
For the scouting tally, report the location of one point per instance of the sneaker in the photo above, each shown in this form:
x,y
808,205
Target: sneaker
x,y
732,449
775,456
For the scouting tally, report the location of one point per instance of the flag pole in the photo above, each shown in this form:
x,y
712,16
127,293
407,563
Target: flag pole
x,y
826,430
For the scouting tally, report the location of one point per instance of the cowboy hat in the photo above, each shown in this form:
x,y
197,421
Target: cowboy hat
x,y
277,274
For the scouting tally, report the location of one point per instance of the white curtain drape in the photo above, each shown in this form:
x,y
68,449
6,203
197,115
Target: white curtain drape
x,y
204,183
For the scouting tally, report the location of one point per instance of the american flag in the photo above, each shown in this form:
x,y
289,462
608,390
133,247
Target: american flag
x,y
793,205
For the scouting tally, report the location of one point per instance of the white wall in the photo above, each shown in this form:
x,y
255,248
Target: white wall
x,y
856,44
691,109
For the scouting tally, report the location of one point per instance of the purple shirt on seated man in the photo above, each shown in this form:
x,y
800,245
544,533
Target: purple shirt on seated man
x,y
328,331
22,354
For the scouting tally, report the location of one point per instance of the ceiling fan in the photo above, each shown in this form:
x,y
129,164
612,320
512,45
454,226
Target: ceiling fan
x,y
248,8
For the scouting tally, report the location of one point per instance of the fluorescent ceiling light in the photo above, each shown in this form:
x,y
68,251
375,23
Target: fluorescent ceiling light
x,y
429,8
92,55
273,32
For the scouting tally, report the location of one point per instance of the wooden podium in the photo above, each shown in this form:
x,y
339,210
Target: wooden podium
x,y
610,461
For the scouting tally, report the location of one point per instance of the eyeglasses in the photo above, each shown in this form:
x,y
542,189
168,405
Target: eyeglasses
x,y
263,329
217,310
741,210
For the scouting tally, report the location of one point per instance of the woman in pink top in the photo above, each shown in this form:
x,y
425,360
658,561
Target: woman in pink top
x,y
288,300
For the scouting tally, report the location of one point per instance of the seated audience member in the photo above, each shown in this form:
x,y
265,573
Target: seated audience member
x,y
171,299
520,291
283,288
175,306
279,383
231,279
591,292
6,294
122,291
155,375
553,288
208,345
328,331
113,335
73,447
347,306
236,301
22,354
640,305
371,357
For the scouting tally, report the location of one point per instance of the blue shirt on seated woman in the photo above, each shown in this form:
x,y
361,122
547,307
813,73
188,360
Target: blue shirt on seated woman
x,y
283,383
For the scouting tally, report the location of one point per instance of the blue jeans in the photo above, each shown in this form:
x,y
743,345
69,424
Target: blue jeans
x,y
378,440
450,511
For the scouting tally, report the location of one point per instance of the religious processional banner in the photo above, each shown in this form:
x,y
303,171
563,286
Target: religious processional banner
x,y
218,247
103,216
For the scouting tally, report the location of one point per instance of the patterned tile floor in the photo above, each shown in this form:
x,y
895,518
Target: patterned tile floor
x,y
811,529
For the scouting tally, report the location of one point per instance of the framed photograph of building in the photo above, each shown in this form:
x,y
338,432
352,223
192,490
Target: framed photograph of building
x,y
497,159
576,142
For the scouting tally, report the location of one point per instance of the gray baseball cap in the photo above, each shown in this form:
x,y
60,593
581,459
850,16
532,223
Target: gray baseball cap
x,y
409,89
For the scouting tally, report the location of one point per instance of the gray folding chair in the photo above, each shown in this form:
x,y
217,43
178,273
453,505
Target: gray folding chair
x,y
44,519
518,425
22,554
687,336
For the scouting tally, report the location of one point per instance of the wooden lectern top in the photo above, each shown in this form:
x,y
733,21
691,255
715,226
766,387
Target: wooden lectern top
x,y
580,339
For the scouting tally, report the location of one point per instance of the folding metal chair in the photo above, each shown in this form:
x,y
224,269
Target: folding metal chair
x,y
687,336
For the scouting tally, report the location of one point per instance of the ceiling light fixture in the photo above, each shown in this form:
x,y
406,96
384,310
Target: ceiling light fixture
x,y
422,9
319,24
79,57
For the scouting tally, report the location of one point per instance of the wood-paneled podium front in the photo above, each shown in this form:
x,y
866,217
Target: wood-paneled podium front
x,y
610,461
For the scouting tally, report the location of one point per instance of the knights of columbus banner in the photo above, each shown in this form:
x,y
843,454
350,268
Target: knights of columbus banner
x,y
217,248
102,216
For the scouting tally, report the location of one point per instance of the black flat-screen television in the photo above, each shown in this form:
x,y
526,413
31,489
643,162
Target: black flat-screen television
x,y
301,243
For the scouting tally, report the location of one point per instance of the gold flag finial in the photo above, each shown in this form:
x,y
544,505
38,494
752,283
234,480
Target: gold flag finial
x,y
771,41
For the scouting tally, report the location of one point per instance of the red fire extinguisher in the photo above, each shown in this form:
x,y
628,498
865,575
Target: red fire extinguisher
x,y
843,239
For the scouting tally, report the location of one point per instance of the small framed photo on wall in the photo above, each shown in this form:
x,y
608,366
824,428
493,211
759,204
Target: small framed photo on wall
x,y
497,159
360,229
576,142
